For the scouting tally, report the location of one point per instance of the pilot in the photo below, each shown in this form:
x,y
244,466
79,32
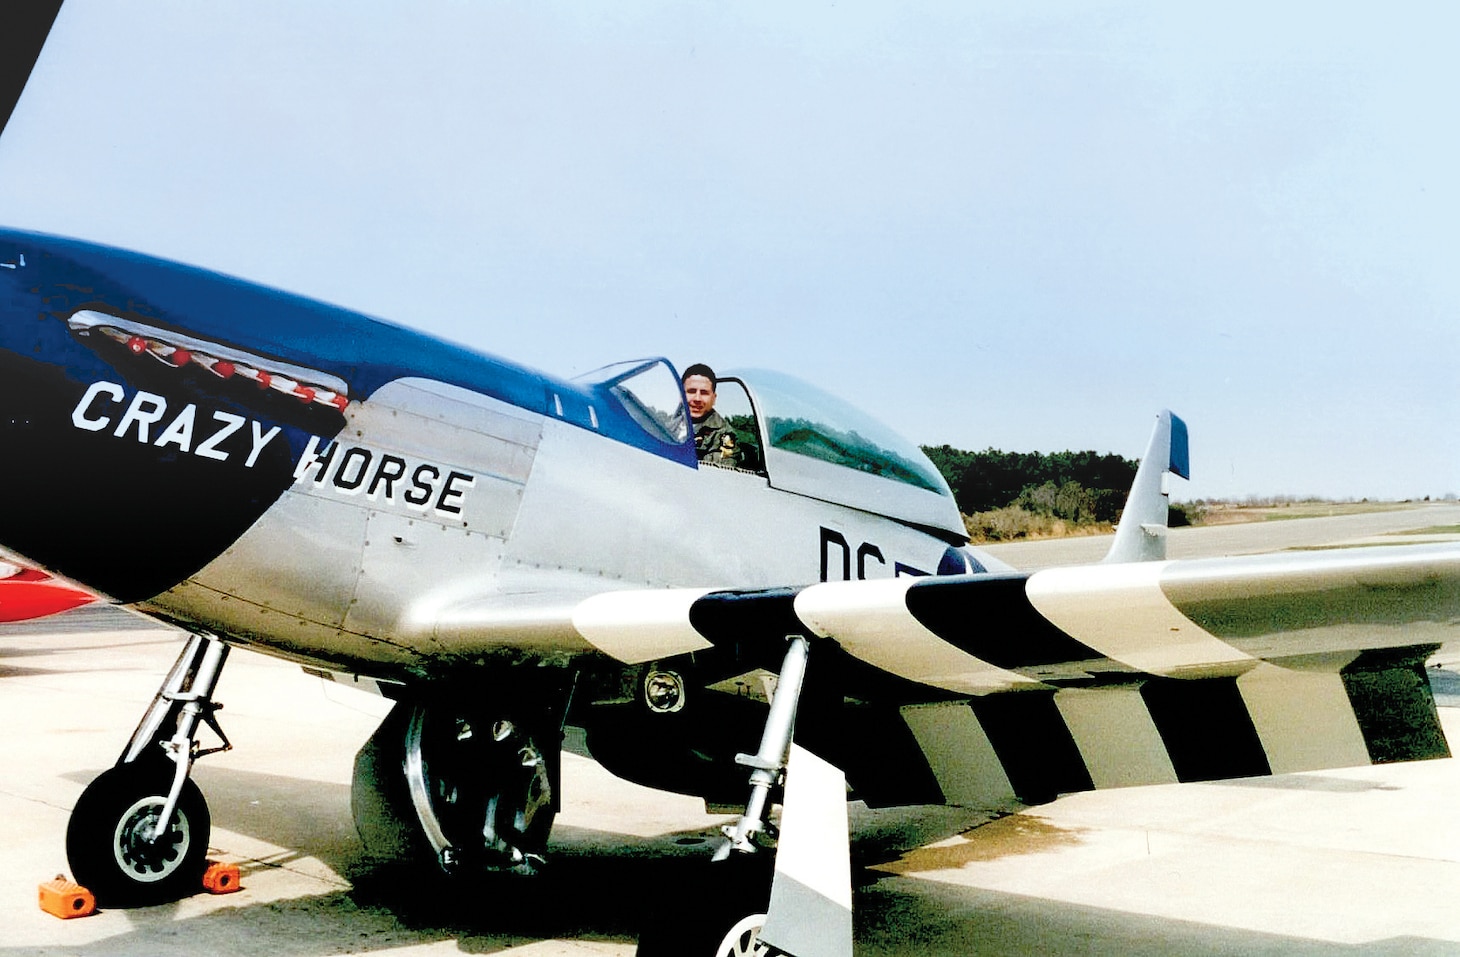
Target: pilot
x,y
715,441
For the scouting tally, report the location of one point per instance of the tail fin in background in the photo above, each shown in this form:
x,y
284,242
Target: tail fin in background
x,y
1141,535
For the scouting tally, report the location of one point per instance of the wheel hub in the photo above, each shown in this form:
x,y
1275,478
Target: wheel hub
x,y
143,853
480,788
743,939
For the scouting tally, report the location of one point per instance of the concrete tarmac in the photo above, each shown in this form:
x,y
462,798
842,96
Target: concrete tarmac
x,y
1354,861
1424,522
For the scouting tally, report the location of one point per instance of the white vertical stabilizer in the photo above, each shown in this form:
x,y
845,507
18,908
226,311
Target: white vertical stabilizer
x,y
1141,535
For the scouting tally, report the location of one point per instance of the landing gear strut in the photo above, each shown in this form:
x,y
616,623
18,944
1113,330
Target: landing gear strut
x,y
770,760
723,917
139,833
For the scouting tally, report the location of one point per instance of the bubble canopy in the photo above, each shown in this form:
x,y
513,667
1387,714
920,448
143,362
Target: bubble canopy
x,y
823,446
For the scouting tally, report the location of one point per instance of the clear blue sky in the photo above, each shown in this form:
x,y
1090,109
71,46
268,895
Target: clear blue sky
x,y
1026,226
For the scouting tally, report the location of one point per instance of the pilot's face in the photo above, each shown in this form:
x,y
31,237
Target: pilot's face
x,y
700,393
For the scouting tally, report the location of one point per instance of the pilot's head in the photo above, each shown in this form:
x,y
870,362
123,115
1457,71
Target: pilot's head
x,y
699,389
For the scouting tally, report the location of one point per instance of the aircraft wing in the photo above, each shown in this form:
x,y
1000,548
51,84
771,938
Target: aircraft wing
x,y
1103,675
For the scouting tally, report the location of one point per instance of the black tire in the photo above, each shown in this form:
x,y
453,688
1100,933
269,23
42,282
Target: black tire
x,y
717,913
484,777
104,845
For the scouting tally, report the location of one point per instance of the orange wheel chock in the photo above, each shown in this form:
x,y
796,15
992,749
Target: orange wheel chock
x,y
221,878
62,898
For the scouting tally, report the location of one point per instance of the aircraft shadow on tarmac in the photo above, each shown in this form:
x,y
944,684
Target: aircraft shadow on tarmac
x,y
602,887
312,819
607,899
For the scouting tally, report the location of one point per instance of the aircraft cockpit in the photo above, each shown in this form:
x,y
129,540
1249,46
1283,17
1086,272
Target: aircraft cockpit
x,y
648,392
793,436
815,444
734,404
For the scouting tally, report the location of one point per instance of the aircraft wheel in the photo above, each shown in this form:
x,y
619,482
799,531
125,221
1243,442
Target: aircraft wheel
x,y
107,845
482,782
743,938
718,916
487,785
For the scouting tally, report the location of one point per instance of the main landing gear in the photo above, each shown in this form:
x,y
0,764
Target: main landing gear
x,y
469,782
755,901
139,833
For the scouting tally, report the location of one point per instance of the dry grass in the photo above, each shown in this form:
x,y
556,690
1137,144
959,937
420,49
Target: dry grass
x,y
1014,524
1231,513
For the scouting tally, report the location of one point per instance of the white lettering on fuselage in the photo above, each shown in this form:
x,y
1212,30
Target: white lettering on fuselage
x,y
346,470
383,477
147,409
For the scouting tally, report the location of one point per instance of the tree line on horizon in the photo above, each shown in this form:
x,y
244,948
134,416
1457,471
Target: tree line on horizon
x,y
1001,492
1089,483
1012,495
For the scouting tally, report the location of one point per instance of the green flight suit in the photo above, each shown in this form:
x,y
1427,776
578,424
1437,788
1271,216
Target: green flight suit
x,y
716,442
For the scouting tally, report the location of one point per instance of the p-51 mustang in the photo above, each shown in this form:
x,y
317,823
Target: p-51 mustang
x,y
504,554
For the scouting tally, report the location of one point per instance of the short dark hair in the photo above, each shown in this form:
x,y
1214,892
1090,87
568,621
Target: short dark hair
x,y
699,368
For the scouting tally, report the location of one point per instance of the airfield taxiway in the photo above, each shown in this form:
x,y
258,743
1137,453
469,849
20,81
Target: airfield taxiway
x,y
1355,861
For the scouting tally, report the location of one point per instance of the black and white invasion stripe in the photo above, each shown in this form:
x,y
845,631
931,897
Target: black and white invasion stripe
x,y
1111,675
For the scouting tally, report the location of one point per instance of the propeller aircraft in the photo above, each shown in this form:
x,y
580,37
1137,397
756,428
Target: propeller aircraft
x,y
506,554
